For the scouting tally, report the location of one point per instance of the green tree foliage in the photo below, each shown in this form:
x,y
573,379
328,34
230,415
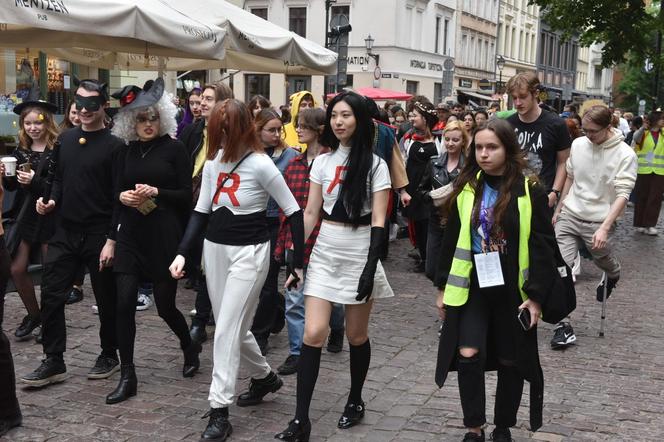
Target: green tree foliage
x,y
636,84
623,26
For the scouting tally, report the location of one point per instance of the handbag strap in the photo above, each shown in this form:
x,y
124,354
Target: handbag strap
x,y
228,175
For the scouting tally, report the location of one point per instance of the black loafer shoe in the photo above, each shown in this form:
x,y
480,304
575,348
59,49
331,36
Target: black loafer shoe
x,y
104,368
258,388
218,428
296,432
351,416
191,360
8,423
74,296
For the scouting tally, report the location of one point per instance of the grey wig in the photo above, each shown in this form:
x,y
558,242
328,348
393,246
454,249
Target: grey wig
x,y
124,125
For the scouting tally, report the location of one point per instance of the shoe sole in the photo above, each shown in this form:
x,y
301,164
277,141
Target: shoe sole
x,y
142,308
108,374
558,345
36,383
274,389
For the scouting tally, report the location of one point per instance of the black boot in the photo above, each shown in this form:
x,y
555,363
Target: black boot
x,y
126,387
191,360
218,428
258,388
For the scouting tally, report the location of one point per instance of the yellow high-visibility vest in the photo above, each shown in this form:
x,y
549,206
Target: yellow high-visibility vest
x,y
651,156
458,281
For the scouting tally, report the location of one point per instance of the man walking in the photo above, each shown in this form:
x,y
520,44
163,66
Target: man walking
x,y
601,172
543,135
83,193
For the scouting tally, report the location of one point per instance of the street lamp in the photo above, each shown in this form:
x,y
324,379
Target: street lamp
x,y
368,45
500,64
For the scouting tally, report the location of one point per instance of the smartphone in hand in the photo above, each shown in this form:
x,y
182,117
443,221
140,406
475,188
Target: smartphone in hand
x,y
524,318
25,167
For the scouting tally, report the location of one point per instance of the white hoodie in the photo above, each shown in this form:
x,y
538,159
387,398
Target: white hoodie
x,y
600,173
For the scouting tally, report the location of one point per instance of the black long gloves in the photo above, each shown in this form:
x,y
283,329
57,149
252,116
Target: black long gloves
x,y
366,282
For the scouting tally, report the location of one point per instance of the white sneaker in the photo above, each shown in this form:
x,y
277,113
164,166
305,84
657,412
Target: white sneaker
x,y
640,230
651,231
192,313
143,302
95,309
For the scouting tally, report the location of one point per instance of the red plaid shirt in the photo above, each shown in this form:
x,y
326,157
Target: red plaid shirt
x,y
297,179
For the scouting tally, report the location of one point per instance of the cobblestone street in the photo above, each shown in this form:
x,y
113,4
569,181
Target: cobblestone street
x,y
609,388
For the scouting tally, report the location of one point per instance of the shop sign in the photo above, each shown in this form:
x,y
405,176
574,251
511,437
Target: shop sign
x,y
484,84
45,5
420,64
464,82
361,60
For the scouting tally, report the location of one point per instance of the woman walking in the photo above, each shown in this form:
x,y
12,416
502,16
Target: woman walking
x,y
238,179
350,188
37,135
497,262
155,193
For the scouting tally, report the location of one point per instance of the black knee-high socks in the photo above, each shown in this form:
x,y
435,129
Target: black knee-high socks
x,y
307,374
360,357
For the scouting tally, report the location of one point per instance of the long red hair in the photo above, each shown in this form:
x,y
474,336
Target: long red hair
x,y
231,127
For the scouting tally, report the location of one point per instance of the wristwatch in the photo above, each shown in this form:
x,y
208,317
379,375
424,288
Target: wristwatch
x,y
557,192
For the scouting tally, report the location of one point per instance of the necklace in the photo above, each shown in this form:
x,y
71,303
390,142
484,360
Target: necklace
x,y
144,153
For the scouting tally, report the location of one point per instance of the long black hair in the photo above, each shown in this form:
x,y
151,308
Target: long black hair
x,y
353,191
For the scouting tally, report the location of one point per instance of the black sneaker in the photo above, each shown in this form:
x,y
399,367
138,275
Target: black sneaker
x,y
218,428
258,388
289,366
352,415
335,342
74,296
29,323
609,288
473,437
51,371
501,435
563,335
104,368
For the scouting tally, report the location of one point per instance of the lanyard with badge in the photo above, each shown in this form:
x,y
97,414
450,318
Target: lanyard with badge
x,y
487,263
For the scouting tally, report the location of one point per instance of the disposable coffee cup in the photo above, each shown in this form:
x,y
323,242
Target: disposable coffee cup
x,y
10,165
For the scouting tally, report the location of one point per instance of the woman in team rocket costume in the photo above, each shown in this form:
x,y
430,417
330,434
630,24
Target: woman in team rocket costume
x,y
238,179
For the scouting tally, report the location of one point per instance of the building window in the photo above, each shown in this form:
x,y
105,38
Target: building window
x,y
340,10
297,83
446,34
260,12
411,87
437,93
256,84
437,41
297,21
597,81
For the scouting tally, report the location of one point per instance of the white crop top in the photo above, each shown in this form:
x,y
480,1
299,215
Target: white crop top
x,y
248,188
329,170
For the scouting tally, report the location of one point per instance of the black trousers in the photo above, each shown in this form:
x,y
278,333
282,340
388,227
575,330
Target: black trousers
x,y
9,407
421,227
67,251
488,309
271,306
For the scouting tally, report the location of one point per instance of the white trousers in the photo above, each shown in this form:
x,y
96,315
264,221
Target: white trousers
x,y
235,276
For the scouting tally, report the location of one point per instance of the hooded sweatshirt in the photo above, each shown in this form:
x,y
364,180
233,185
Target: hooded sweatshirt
x,y
600,173
290,136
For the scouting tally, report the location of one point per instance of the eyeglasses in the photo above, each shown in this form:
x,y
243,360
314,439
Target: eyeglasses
x,y
592,131
145,119
274,130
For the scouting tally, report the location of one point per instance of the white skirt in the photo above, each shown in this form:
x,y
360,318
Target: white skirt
x,y
336,263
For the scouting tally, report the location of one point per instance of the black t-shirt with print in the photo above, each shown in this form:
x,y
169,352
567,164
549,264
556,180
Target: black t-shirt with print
x,y
542,140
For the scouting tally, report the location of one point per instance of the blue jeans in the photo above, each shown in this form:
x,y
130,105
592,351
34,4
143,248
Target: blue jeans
x,y
295,318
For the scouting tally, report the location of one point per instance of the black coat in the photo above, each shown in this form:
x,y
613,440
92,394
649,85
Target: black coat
x,y
542,273
192,138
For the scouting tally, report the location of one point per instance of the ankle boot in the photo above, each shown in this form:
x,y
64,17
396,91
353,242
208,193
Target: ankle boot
x,y
191,360
126,387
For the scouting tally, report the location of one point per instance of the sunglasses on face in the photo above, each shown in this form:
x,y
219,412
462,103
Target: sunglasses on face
x,y
146,118
91,104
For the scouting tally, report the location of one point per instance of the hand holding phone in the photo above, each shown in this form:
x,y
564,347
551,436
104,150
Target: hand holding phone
x,y
524,318
25,167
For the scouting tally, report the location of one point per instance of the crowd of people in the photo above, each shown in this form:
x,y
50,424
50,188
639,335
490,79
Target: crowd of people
x,y
227,194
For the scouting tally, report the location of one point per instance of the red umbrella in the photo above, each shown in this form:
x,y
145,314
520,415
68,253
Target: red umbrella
x,y
379,94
